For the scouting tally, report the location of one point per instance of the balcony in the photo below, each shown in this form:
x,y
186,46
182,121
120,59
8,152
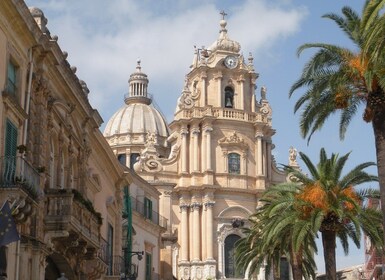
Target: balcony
x,y
157,219
71,222
222,113
17,173
115,268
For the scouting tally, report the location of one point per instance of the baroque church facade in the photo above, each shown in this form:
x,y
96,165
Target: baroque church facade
x,y
210,164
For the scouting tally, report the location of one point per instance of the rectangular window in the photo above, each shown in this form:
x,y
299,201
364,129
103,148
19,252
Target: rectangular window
x,y
122,159
148,266
133,159
110,242
11,78
10,152
234,161
147,208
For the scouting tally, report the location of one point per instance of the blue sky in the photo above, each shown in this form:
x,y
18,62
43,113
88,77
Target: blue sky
x,y
105,38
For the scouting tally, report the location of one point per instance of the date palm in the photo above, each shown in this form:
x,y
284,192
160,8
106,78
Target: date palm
x,y
343,80
273,236
329,202
374,27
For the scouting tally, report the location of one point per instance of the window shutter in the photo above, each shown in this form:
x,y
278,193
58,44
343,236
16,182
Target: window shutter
x,y
148,266
10,140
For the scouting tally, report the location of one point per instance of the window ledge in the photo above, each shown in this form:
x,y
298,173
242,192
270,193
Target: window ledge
x,y
11,102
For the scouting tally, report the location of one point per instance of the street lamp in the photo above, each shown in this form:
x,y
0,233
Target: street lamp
x,y
131,274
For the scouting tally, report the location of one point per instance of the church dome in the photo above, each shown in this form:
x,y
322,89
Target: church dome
x,y
137,116
224,43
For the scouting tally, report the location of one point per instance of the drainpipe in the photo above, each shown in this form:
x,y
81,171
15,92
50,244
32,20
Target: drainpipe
x,y
26,107
28,97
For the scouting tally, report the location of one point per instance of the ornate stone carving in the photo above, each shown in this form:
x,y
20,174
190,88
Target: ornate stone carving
x,y
187,99
233,140
266,109
151,140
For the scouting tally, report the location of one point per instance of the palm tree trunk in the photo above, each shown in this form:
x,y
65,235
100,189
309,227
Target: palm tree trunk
x,y
379,138
296,264
329,246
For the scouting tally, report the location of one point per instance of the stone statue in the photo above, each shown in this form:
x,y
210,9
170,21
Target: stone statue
x,y
263,92
293,156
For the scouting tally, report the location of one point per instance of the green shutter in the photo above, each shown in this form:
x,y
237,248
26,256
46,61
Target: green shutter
x,y
10,139
148,266
147,208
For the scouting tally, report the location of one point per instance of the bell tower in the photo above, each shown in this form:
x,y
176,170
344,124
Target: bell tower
x,y
225,159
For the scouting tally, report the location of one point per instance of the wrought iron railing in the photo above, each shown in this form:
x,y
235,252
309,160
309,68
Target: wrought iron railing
x,y
154,216
115,265
102,252
17,172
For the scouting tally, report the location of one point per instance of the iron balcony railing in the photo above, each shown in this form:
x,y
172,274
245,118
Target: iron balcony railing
x,y
115,265
17,172
103,250
139,207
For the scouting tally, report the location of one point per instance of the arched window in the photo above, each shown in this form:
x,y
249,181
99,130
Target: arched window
x,y
231,270
234,163
133,158
229,97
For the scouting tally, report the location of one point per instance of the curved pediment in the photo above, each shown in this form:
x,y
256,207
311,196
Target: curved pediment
x,y
235,212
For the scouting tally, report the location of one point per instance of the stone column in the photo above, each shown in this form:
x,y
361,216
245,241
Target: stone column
x,y
195,133
268,159
252,89
184,244
209,230
241,81
258,154
264,158
219,76
244,163
195,207
184,132
203,88
208,130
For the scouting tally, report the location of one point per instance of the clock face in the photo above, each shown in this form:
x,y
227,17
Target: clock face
x,y
231,62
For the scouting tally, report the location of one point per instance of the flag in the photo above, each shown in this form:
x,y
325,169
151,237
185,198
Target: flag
x,y
8,230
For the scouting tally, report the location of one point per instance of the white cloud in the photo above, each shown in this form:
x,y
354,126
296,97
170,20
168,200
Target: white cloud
x,y
105,38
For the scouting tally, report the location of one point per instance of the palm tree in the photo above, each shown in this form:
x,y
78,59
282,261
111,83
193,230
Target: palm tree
x,y
338,79
374,27
329,202
273,235
293,213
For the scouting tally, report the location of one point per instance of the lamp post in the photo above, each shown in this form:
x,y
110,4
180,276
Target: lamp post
x,y
129,273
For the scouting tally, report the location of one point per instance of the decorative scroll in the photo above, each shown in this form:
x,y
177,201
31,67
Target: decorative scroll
x,y
149,160
187,99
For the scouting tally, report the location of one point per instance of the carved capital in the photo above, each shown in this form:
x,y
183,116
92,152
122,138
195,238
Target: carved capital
x,y
195,206
195,130
183,130
209,204
183,207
